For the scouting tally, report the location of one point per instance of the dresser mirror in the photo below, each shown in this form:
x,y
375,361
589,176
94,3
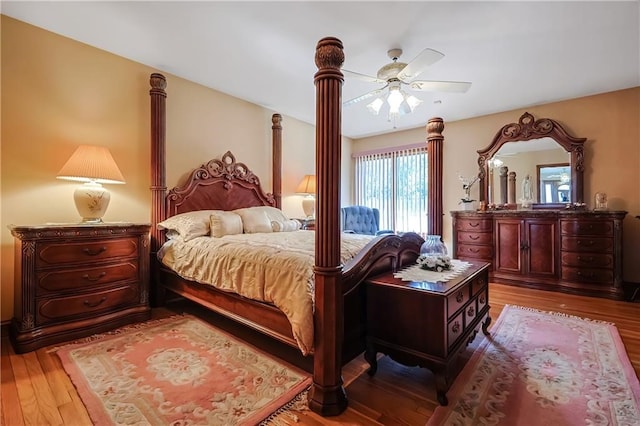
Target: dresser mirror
x,y
540,149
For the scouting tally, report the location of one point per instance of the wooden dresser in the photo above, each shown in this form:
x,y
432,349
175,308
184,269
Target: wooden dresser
x,y
72,281
563,250
426,324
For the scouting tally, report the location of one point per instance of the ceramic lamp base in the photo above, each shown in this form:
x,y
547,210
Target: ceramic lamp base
x,y
92,200
309,207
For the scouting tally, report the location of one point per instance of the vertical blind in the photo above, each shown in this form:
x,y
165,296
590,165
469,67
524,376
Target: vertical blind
x,y
395,182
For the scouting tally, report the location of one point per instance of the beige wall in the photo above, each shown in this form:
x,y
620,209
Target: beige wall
x,y
611,124
58,93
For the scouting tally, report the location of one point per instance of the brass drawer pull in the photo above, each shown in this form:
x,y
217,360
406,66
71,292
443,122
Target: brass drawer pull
x,y
472,250
471,311
474,237
481,299
459,297
88,278
93,305
456,327
96,252
474,224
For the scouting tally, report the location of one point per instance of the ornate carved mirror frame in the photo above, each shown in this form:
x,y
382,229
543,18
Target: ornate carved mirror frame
x,y
527,128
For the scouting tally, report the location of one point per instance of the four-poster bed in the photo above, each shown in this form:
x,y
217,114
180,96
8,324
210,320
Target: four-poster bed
x,y
226,184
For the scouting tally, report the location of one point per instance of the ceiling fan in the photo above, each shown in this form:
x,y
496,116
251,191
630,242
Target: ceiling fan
x,y
395,75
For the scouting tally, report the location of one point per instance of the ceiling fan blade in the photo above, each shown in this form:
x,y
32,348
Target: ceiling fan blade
x,y
440,86
419,64
365,96
364,77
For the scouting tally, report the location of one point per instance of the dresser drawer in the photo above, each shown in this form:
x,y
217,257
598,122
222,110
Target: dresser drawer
x,y
587,244
475,237
457,300
476,252
583,227
478,225
85,251
587,275
591,260
82,278
86,305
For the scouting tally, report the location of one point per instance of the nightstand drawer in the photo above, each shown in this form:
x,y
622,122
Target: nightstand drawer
x,y
60,308
85,251
78,279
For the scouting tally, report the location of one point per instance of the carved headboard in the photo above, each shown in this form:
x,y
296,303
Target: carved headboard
x,y
223,184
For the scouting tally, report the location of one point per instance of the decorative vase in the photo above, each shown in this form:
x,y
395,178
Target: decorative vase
x,y
433,245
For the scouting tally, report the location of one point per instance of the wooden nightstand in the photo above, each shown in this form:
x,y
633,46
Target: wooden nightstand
x,y
72,281
309,224
427,323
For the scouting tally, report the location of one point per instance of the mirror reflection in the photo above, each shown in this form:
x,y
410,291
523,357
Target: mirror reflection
x,y
554,183
511,161
541,159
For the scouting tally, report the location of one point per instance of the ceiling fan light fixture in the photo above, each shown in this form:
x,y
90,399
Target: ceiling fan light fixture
x,y
394,100
374,107
413,102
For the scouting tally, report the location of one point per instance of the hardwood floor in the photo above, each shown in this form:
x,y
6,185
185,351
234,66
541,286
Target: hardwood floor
x,y
36,390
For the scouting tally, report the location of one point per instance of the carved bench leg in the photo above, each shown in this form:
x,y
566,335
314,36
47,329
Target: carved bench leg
x,y
442,386
485,325
370,355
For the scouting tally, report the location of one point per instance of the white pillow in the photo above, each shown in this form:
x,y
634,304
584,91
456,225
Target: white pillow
x,y
188,225
225,223
286,226
254,220
258,219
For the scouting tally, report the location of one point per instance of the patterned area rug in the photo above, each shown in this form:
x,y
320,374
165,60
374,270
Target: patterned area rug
x,y
178,370
545,368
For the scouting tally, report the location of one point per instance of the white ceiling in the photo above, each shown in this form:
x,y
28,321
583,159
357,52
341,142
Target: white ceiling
x,y
516,54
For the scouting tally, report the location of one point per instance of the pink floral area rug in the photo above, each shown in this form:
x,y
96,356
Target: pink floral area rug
x,y
545,368
179,371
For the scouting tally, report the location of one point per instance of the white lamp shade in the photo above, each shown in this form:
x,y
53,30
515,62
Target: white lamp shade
x,y
91,163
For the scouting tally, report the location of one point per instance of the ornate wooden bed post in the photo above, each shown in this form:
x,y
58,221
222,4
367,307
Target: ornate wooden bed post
x,y
435,126
158,175
276,169
327,396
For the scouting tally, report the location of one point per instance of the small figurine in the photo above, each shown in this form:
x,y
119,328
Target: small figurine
x,y
601,201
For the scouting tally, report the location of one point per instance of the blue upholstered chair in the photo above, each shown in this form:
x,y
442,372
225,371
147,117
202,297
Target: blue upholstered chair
x,y
361,220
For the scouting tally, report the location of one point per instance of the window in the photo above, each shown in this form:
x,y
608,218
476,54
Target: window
x,y
395,182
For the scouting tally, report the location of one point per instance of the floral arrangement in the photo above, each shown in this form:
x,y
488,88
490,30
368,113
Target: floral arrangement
x,y
467,183
434,262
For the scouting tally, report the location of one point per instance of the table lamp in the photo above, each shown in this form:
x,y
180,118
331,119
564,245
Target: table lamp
x,y
94,166
308,188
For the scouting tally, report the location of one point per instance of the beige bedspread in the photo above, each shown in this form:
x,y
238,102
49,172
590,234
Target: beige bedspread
x,y
271,267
